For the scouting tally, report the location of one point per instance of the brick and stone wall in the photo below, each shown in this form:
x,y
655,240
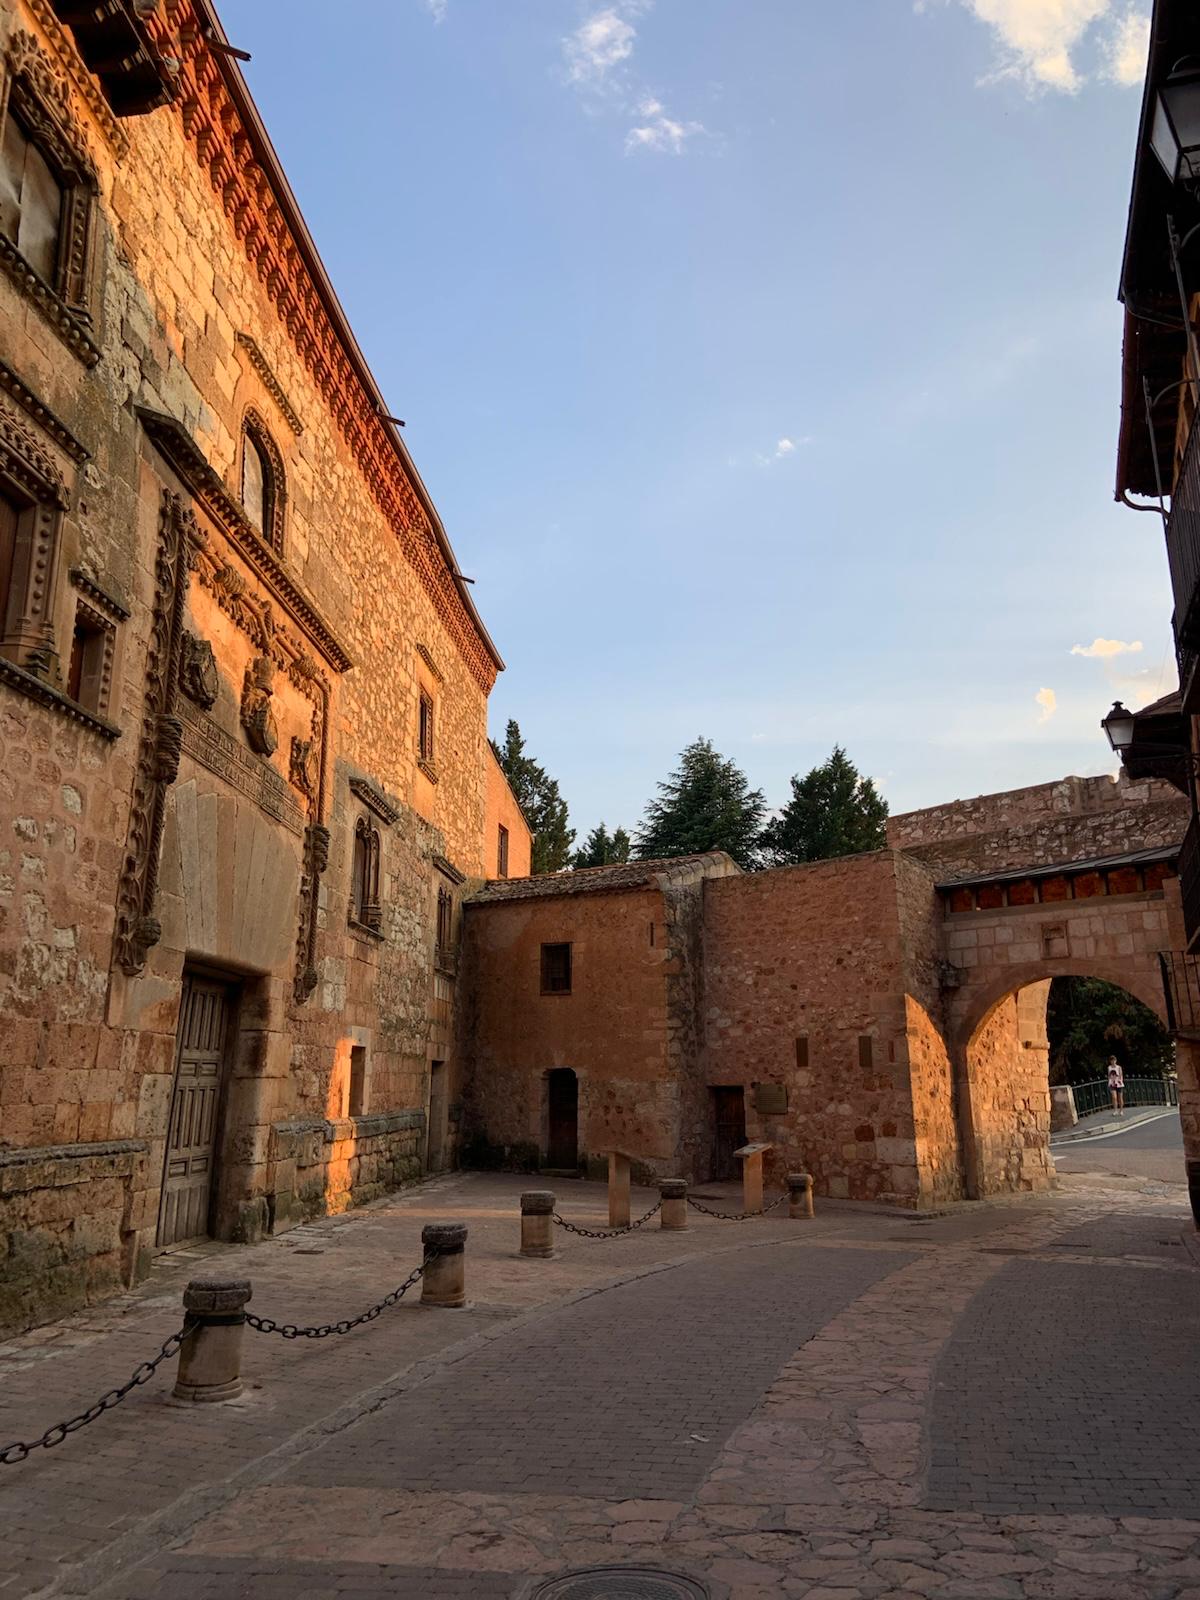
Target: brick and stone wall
x,y
501,810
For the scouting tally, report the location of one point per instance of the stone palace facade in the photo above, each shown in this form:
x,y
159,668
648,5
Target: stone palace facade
x,y
245,779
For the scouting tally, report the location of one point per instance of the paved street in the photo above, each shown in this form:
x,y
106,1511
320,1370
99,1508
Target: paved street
x,y
999,1403
1151,1149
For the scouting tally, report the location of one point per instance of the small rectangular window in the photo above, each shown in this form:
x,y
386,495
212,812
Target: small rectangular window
x,y
556,969
87,668
358,1080
802,1052
866,1054
425,731
502,853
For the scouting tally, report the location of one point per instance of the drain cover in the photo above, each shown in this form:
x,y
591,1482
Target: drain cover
x,y
620,1583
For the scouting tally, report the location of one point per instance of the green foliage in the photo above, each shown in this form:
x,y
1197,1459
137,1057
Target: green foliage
x,y
603,849
538,796
833,812
1088,1020
706,804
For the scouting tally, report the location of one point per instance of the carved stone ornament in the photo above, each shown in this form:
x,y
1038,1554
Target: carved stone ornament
x,y
161,737
303,768
258,719
198,675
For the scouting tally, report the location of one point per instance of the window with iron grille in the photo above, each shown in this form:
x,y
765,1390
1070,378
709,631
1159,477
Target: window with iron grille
x,y
365,907
425,729
502,853
556,969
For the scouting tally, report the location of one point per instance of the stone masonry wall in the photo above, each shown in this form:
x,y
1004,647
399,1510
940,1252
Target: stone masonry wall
x,y
1008,1068
804,991
501,808
611,1029
1076,819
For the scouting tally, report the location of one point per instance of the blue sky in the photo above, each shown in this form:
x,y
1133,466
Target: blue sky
x,y
762,358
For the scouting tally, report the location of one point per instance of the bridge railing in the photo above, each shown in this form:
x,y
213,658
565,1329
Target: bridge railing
x,y
1095,1094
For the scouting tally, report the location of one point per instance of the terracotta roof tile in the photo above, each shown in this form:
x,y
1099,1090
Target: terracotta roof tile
x,y
605,880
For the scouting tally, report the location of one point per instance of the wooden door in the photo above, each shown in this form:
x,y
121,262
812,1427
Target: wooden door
x,y
195,1103
729,1131
436,1148
562,1152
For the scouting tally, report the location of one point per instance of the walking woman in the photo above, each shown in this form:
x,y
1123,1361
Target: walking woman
x,y
1116,1085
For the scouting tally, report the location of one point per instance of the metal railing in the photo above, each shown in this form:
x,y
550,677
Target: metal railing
x,y
1095,1095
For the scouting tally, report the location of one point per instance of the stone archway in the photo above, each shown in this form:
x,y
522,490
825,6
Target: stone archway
x,y
1000,1054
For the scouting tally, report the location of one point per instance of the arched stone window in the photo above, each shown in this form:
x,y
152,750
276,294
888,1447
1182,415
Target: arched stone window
x,y
264,490
365,908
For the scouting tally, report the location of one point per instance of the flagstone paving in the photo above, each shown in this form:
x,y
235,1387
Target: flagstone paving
x,y
873,1393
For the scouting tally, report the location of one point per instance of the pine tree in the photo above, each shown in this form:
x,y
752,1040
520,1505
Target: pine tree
x,y
706,804
833,812
538,796
602,849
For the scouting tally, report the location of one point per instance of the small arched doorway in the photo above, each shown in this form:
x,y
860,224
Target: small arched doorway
x,y
562,1119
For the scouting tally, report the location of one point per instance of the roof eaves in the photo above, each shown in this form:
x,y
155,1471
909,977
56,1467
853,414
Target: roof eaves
x,y
265,151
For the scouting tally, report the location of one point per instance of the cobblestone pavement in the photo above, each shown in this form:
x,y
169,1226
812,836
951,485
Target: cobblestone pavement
x,y
861,1390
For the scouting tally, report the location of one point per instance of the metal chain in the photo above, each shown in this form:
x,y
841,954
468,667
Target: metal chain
x,y
289,1330
736,1216
606,1233
10,1454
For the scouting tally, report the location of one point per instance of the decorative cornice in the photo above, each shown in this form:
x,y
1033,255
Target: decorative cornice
x,y
449,870
270,382
220,121
100,597
25,682
428,768
184,455
65,323
375,800
20,392
425,655
70,65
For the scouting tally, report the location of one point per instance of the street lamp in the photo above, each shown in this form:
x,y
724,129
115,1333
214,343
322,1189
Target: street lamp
x,y
1118,725
1175,131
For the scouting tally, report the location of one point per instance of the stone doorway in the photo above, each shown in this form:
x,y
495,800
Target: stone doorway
x,y
729,1130
435,1156
562,1105
206,1014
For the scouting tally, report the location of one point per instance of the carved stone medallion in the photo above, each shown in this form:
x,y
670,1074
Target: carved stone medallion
x,y
258,719
198,675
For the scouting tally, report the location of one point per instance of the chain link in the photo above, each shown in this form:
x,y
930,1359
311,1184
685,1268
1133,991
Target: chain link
x,y
289,1330
10,1454
606,1233
736,1216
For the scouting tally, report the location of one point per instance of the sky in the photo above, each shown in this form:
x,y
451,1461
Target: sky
x,y
762,358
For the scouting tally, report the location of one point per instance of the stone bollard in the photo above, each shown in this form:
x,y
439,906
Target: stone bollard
x,y
210,1358
537,1224
800,1196
674,1204
444,1281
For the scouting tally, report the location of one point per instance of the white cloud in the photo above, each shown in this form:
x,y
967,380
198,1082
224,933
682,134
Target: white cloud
x,y
598,45
660,132
1102,649
1127,47
1039,39
437,9
1048,700
783,449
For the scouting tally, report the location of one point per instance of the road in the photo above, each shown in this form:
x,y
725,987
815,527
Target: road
x,y
1151,1150
866,1405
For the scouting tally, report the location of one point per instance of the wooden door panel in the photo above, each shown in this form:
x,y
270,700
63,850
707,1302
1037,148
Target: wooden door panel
x,y
195,1110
